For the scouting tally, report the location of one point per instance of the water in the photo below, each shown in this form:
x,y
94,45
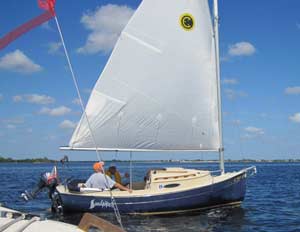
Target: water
x,y
272,201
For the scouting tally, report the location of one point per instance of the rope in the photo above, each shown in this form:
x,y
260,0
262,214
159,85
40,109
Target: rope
x,y
114,204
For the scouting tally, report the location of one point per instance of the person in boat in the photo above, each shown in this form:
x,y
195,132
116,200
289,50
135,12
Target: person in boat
x,y
113,173
101,181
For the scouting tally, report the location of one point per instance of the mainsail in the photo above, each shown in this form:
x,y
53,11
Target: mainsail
x,y
158,90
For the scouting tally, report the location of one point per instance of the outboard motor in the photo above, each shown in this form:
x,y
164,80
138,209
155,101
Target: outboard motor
x,y
48,180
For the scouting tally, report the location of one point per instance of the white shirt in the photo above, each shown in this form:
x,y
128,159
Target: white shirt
x,y
98,180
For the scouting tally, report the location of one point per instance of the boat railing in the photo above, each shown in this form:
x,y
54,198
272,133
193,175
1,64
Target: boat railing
x,y
216,171
212,176
250,171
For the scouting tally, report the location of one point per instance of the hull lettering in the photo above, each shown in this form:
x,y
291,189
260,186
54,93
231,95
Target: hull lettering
x,y
102,204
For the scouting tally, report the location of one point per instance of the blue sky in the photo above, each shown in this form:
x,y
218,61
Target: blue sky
x,y
260,53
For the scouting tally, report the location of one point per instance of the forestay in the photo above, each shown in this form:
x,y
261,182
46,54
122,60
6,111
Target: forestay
x,y
158,90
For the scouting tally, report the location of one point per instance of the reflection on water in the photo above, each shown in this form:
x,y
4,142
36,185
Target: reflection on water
x,y
211,220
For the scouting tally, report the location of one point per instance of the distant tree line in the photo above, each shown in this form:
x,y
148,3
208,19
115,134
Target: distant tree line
x,y
35,160
46,160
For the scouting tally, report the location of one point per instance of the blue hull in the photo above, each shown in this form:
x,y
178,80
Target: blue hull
x,y
228,191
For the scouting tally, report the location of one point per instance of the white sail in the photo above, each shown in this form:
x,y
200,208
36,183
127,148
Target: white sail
x,y
158,90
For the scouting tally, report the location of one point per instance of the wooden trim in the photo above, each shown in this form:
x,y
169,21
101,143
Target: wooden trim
x,y
175,177
89,220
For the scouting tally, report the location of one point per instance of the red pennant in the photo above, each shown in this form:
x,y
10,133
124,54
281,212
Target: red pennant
x,y
11,36
48,5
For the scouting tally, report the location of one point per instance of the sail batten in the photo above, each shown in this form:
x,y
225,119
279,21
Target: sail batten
x,y
142,42
158,91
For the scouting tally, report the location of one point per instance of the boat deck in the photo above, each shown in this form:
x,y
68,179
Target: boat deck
x,y
184,179
12,221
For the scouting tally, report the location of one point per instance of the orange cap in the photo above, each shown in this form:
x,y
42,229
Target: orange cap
x,y
98,166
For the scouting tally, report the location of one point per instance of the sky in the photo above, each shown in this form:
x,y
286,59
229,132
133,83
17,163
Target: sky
x,y
260,72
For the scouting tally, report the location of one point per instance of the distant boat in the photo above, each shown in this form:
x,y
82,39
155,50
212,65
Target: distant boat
x,y
160,91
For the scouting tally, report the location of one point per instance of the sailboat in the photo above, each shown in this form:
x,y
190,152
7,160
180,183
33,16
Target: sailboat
x,y
160,92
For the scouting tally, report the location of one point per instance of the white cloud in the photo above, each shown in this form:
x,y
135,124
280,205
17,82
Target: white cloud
x,y
230,81
39,99
236,122
263,115
295,118
248,136
226,113
59,111
50,137
87,91
47,26
17,120
17,98
17,61
67,124
232,94
105,24
10,126
54,48
254,130
34,99
12,123
252,133
224,58
241,49
76,101
292,90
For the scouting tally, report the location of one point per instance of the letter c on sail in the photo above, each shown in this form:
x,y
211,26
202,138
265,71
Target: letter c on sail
x,y
187,21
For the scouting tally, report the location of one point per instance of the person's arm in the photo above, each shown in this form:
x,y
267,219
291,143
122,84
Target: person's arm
x,y
119,186
87,184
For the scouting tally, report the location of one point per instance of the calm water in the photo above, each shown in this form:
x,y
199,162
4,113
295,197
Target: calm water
x,y
272,201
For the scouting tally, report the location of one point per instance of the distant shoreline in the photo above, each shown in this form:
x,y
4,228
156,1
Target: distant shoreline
x,y
46,160
35,160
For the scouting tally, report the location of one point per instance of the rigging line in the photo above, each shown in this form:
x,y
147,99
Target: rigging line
x,y
130,171
115,206
77,88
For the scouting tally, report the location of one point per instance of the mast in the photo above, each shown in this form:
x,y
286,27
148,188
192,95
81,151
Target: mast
x,y
216,34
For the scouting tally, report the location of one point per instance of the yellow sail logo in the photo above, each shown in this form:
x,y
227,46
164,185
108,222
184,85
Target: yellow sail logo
x,y
187,22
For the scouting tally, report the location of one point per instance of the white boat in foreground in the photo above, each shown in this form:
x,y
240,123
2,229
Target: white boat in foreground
x,y
15,221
